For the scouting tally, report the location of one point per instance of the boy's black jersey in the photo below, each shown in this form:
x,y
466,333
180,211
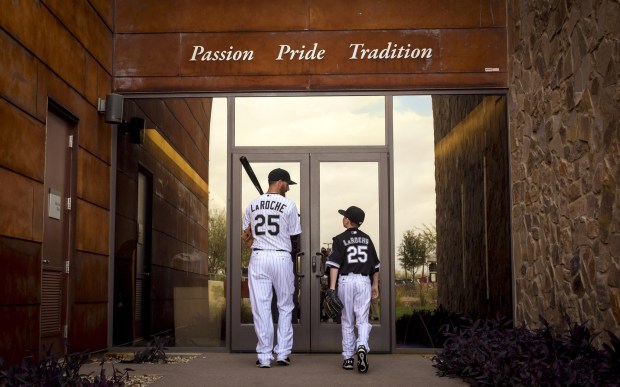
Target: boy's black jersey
x,y
354,252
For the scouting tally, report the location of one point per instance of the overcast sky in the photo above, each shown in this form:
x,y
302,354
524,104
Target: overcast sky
x,y
337,121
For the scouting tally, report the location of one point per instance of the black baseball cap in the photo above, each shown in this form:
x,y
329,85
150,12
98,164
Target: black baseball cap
x,y
280,174
355,214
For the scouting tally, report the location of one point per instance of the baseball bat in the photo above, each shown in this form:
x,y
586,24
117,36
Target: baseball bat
x,y
250,172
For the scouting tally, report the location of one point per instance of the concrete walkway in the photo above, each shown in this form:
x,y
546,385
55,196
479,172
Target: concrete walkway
x,y
323,370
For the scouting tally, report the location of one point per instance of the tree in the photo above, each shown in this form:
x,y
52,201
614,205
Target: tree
x,y
217,242
416,248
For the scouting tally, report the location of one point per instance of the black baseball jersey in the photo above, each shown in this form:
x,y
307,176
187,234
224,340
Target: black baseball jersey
x,y
353,252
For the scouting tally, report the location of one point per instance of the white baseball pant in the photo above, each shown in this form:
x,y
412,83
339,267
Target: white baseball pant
x,y
355,292
270,270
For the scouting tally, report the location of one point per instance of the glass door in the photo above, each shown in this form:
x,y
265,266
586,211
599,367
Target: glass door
x,y
327,182
243,337
340,180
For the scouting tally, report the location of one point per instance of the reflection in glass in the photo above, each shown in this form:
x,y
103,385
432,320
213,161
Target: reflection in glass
x,y
310,121
248,193
345,184
172,241
414,196
217,248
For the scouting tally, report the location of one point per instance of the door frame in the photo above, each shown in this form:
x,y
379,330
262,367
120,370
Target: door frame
x,y
379,340
64,125
242,336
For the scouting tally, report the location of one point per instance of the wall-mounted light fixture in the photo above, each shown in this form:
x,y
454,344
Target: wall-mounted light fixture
x,y
112,106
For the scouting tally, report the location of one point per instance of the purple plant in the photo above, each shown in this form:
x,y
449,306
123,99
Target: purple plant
x,y
492,352
50,370
154,353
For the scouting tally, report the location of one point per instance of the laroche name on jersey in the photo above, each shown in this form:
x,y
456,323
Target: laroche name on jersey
x,y
268,205
356,241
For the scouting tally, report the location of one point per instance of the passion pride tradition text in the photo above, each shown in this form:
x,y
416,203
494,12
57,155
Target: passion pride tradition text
x,y
358,51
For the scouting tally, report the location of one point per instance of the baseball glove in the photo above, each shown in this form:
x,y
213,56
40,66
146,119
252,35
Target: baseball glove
x,y
332,304
247,237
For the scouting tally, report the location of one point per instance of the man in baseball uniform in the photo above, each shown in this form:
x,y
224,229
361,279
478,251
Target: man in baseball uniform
x,y
353,262
274,222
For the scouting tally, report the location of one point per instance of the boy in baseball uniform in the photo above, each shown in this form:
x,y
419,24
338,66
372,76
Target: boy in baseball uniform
x,y
274,224
355,265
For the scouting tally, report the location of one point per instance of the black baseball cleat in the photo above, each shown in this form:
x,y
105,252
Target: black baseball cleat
x,y
362,359
284,362
261,365
348,364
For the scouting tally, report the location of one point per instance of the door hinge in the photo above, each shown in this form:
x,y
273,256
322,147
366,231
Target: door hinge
x,y
69,204
66,267
65,331
70,141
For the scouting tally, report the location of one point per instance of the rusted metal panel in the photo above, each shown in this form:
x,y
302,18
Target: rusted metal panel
x,y
88,326
89,233
91,274
16,140
137,16
394,82
135,55
302,15
16,214
19,334
20,275
42,34
18,78
279,57
83,22
105,8
405,14
93,179
304,45
312,53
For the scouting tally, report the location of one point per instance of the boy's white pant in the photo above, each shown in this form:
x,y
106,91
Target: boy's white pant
x,y
354,290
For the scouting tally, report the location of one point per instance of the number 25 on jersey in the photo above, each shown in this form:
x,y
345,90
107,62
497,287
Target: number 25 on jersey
x,y
357,253
267,225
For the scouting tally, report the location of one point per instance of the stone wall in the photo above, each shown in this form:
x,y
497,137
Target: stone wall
x,y
564,112
473,205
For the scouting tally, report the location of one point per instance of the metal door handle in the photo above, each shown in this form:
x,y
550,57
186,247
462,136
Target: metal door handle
x,y
321,273
298,264
46,261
